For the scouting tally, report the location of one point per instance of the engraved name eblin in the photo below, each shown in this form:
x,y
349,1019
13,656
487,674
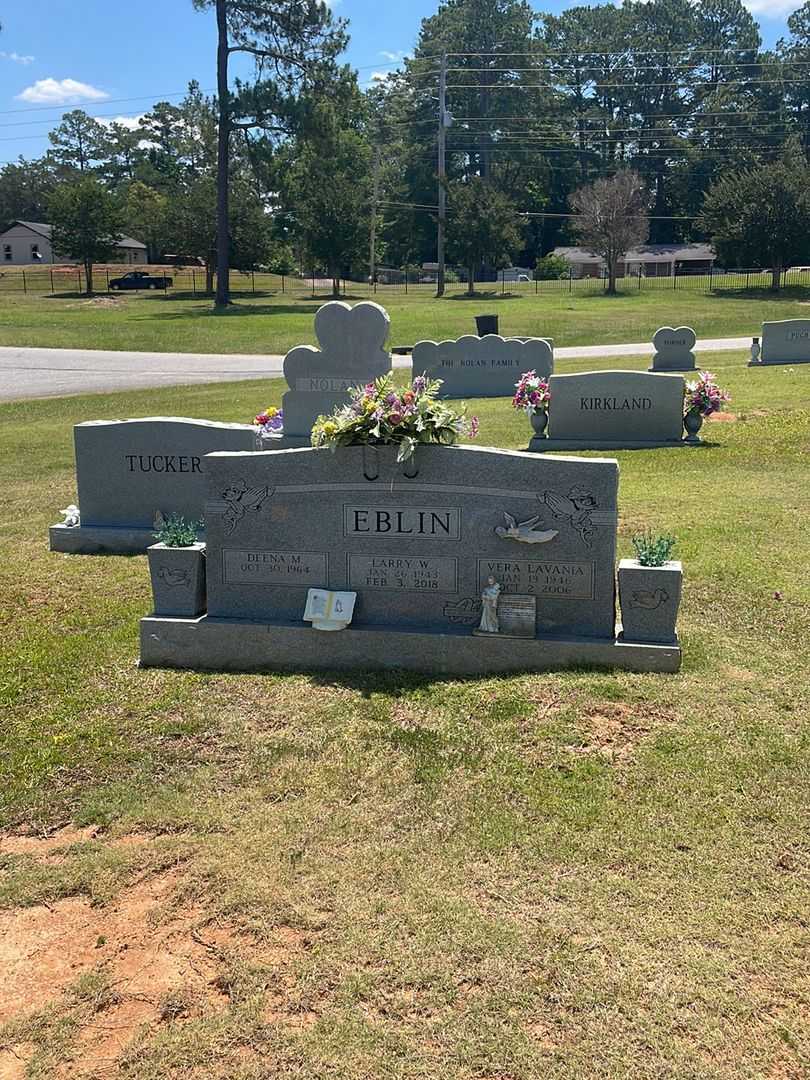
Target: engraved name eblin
x,y
163,463
614,404
419,521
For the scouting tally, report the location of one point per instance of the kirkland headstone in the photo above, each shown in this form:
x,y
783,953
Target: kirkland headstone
x,y
613,410
352,353
130,471
417,543
673,349
482,367
785,341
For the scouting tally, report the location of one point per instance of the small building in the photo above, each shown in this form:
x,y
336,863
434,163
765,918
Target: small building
x,y
27,242
515,273
648,260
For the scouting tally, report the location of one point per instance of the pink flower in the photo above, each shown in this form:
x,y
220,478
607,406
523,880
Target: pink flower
x,y
474,427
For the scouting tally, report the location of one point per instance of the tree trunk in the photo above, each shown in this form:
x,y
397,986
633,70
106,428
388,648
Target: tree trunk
x,y
611,278
335,287
209,277
776,277
223,296
88,275
471,280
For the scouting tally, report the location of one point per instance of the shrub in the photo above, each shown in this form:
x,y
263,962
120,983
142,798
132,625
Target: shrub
x,y
177,532
652,550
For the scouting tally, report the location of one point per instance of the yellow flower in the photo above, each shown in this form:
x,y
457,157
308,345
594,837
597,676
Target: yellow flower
x,y
369,405
270,411
329,428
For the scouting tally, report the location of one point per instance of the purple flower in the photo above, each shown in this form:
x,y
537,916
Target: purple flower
x,y
419,384
474,427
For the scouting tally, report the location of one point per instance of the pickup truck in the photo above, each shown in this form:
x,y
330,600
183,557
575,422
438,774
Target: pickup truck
x,y
139,279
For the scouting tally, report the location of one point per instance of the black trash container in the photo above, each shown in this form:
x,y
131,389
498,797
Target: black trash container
x,y
486,324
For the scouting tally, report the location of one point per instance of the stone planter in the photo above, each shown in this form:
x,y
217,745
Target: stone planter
x,y
178,579
539,421
692,422
649,597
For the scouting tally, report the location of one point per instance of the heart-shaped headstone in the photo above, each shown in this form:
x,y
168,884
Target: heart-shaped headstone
x,y
352,343
673,349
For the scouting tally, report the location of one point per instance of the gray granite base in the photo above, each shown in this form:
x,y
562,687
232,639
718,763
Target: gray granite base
x,y
208,644
541,446
100,540
777,363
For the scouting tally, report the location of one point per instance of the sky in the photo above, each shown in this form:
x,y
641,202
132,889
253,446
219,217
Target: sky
x,y
115,60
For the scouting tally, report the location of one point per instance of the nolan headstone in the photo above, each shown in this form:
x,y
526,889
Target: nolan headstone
x,y
352,353
785,341
673,349
417,543
613,410
489,366
130,471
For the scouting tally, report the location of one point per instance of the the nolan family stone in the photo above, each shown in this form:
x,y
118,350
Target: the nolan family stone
x,y
417,544
130,471
488,366
673,349
785,341
613,410
352,353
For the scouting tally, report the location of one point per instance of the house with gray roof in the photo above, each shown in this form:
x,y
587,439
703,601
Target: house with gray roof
x,y
647,260
25,243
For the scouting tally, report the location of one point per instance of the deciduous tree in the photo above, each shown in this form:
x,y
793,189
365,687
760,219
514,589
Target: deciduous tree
x,y
86,220
611,218
483,226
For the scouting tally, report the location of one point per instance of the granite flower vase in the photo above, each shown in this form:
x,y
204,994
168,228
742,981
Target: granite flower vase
x,y
649,598
539,421
692,422
178,579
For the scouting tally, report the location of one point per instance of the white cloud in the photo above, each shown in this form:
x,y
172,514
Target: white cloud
x,y
394,57
17,58
60,92
378,76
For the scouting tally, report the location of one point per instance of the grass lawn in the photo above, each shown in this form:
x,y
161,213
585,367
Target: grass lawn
x,y
277,322
566,876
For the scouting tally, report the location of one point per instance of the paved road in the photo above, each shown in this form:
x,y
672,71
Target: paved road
x,y
37,373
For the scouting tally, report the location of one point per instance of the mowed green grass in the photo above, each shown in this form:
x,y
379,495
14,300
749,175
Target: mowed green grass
x,y
558,875
276,322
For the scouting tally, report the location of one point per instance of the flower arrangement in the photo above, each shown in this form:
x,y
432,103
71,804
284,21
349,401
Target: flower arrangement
x,y
704,396
270,422
175,531
531,393
380,413
652,549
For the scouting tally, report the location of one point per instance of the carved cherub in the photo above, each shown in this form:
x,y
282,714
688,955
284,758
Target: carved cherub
x,y
524,531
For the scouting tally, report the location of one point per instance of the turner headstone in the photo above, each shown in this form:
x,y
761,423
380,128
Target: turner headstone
x,y
481,367
352,353
673,349
613,410
129,471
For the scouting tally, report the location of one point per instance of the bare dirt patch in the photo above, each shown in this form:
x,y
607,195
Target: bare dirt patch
x,y
613,731
43,844
723,417
147,948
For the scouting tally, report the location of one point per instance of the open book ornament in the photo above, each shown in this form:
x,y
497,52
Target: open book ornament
x,y
328,610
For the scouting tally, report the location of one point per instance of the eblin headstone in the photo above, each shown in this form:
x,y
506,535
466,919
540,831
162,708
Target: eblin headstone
x,y
613,410
673,349
417,545
129,471
481,367
352,353
784,341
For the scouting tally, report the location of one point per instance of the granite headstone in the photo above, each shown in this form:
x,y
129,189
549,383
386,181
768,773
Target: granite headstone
x,y
673,349
482,367
614,410
129,471
352,353
784,341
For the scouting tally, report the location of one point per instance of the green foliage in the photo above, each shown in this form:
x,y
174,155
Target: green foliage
x,y
78,141
483,226
551,268
761,216
175,531
86,220
653,549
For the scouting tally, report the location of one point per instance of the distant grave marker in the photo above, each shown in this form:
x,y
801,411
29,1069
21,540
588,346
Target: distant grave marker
x,y
481,367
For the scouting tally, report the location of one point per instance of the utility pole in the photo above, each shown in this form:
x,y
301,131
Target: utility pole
x,y
223,293
375,196
442,175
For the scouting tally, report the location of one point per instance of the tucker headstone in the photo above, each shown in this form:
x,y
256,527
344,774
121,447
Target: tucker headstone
x,y
673,349
129,471
351,354
613,410
482,367
417,546
784,341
